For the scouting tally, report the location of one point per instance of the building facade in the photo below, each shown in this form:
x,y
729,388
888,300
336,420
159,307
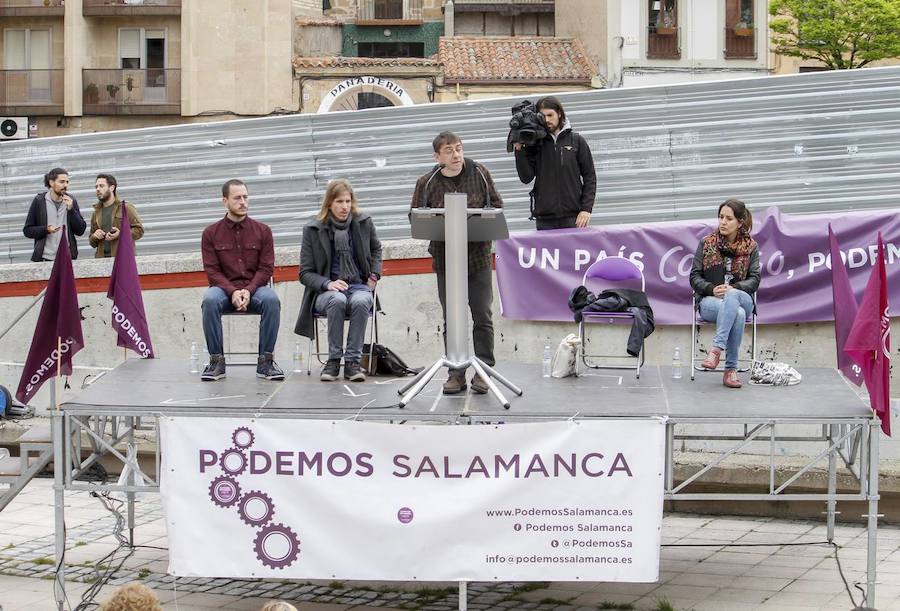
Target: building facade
x,y
94,65
370,53
650,42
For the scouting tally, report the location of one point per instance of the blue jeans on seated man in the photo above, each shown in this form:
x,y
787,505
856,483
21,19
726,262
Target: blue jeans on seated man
x,y
263,302
729,314
337,306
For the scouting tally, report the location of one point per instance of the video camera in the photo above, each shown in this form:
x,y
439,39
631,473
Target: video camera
x,y
527,126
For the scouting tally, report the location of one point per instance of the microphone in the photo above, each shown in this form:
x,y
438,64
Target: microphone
x,y
440,167
487,190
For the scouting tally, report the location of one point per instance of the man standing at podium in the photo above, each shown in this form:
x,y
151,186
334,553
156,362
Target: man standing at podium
x,y
454,173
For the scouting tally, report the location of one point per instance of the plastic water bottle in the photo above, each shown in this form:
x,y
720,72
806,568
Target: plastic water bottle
x,y
195,358
676,364
546,362
298,358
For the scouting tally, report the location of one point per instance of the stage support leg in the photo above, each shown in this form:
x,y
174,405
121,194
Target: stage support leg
x,y
59,491
463,596
872,547
831,504
131,451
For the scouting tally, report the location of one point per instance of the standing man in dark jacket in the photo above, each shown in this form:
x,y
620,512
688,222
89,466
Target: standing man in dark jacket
x,y
340,264
457,174
563,170
239,257
52,211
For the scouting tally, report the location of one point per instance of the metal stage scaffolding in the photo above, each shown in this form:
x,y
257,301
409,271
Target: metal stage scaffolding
x,y
823,413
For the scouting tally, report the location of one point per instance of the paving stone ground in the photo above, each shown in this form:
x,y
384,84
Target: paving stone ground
x,y
707,564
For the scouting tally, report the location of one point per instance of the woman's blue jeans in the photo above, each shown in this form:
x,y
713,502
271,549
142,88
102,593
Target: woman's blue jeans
x,y
729,314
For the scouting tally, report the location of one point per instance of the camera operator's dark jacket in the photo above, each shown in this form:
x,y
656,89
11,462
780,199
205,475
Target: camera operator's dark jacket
x,y
564,175
36,226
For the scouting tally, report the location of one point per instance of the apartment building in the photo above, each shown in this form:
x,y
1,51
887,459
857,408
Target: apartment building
x,y
71,66
651,42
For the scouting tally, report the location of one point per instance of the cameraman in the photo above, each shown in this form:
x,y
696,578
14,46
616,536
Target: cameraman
x,y
563,170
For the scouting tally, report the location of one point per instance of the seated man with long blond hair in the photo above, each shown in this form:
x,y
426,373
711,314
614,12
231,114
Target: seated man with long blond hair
x,y
340,263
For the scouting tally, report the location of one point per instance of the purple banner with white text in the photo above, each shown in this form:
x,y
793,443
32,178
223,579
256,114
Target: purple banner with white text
x,y
536,271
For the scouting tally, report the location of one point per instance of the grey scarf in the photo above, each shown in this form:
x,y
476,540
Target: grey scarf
x,y
349,271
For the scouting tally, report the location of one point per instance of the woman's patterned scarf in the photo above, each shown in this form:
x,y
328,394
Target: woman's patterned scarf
x,y
715,249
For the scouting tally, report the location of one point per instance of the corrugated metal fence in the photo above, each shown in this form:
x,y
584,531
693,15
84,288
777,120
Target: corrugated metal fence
x,y
807,143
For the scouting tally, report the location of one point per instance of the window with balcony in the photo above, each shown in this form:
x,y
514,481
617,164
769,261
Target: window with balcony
x,y
740,30
141,83
663,40
380,11
27,79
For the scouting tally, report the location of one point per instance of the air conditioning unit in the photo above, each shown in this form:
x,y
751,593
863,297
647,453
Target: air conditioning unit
x,y
13,128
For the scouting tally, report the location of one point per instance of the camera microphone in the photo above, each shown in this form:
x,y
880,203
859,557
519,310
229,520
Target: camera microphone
x,y
440,167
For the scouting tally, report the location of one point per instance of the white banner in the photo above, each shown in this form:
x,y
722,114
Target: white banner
x,y
558,501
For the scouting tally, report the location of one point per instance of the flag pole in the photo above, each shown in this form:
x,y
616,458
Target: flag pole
x,y
58,368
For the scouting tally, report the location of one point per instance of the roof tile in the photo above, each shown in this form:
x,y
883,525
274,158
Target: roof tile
x,y
362,62
514,59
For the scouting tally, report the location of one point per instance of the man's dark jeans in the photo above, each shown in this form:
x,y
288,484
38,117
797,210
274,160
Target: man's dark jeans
x,y
481,296
263,302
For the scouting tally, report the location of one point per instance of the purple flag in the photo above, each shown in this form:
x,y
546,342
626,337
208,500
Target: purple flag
x,y
57,334
869,341
845,308
128,318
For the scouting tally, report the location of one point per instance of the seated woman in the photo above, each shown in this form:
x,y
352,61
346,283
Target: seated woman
x,y
724,277
340,263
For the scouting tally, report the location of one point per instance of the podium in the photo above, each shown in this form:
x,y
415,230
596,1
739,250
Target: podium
x,y
456,224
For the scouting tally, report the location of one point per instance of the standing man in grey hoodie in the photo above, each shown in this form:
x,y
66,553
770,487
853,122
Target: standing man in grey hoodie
x,y
562,169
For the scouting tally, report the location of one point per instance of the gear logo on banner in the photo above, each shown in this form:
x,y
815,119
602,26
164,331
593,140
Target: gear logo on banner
x,y
276,546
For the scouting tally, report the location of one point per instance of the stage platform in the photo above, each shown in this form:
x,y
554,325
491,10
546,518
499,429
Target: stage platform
x,y
160,386
823,411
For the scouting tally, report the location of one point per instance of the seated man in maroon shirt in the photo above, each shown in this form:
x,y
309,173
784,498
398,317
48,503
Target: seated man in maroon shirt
x,y
238,256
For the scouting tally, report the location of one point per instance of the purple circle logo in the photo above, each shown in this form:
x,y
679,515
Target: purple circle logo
x,y
405,515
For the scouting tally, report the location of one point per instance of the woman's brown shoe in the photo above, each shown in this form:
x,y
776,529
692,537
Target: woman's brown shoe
x,y
731,379
712,359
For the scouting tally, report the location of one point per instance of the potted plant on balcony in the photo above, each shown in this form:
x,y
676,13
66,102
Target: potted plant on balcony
x,y
91,94
666,24
744,27
112,90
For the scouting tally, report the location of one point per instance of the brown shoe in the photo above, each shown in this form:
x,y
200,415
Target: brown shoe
x,y
456,383
712,358
731,379
479,384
